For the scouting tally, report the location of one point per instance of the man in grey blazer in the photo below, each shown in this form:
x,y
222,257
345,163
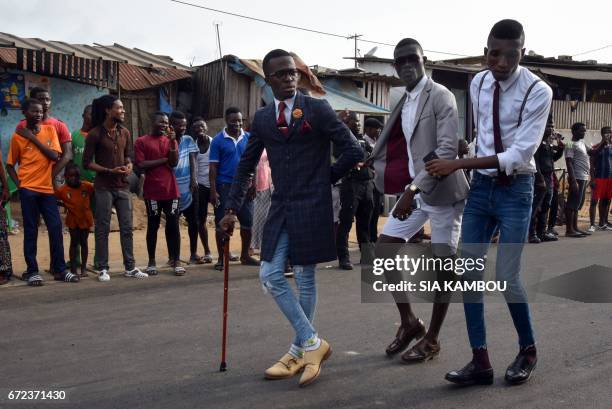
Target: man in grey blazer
x,y
423,126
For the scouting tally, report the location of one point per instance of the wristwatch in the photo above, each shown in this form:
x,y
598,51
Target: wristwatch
x,y
413,188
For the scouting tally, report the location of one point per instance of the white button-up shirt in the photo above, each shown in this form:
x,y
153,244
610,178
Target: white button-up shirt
x,y
408,117
288,108
520,143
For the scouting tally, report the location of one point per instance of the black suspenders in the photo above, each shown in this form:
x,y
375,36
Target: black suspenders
x,y
520,118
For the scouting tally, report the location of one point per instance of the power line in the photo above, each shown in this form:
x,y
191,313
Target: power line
x,y
592,51
301,28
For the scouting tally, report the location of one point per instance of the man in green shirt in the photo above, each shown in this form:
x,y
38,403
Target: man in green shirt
x,y
78,145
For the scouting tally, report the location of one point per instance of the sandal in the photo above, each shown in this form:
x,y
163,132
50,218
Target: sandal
x,y
151,270
67,277
207,259
219,265
179,271
233,257
422,351
196,260
34,279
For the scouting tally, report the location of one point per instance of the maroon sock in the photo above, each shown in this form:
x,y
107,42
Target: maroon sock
x,y
481,358
530,353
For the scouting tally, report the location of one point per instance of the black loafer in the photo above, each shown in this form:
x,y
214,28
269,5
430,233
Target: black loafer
x,y
345,265
404,336
520,370
471,375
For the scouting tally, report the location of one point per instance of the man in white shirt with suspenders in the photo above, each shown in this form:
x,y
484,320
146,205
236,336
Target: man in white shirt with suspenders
x,y
511,107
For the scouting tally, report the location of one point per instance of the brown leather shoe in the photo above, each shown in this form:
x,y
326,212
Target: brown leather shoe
x,y
313,361
404,336
285,368
422,351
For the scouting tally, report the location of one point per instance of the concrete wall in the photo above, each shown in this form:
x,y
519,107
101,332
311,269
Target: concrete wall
x,y
68,100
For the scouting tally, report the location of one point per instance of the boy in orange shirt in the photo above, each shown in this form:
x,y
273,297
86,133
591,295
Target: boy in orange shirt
x,y
35,149
76,197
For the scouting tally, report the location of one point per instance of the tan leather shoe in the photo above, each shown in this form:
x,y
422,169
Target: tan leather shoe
x,y
313,361
285,368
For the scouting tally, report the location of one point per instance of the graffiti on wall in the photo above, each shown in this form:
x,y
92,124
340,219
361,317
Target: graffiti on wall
x,y
12,91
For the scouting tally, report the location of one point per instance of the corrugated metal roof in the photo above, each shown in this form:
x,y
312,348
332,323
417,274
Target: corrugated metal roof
x,y
341,96
584,74
115,52
465,68
8,55
138,69
357,74
132,78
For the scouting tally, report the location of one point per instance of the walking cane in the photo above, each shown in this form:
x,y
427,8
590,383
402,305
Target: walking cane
x,y
226,252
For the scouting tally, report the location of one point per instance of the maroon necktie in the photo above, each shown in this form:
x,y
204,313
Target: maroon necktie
x,y
497,140
281,121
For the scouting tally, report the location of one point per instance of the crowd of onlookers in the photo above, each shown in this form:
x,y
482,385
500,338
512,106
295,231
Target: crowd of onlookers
x,y
586,167
178,171
182,169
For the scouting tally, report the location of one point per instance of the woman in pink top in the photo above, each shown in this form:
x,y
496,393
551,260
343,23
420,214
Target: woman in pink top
x,y
262,200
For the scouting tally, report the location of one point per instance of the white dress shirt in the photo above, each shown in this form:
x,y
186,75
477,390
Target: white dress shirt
x,y
520,143
408,121
288,108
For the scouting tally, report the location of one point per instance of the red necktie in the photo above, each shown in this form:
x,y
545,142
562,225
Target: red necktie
x,y
497,140
281,121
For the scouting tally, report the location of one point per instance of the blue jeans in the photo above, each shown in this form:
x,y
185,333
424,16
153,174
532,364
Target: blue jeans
x,y
33,205
300,312
490,206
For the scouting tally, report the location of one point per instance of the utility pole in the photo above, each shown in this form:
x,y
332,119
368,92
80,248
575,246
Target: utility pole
x,y
355,37
217,24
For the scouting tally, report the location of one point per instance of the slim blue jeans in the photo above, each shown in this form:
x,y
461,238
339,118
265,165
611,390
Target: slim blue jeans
x,y
299,311
34,204
490,206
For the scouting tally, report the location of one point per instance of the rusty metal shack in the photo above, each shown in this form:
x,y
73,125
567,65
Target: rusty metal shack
x,y
75,74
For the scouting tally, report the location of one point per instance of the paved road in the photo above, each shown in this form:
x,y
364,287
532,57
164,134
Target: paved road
x,y
155,344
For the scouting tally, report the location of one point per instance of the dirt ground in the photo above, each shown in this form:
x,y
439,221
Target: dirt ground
x,y
140,246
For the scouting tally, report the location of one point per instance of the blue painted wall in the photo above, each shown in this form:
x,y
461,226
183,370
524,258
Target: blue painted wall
x,y
68,100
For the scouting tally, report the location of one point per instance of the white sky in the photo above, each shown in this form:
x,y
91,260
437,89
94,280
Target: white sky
x,y
187,33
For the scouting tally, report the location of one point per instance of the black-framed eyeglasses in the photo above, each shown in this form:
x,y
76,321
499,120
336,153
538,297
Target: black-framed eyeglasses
x,y
291,73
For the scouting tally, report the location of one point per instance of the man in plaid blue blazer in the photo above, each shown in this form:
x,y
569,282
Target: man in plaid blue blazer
x,y
296,132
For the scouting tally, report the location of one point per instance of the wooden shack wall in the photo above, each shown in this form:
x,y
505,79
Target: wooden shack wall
x,y
139,106
217,87
208,90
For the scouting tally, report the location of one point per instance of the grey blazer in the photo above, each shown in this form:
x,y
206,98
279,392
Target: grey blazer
x,y
436,128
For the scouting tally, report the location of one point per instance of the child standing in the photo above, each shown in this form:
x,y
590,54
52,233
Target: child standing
x,y
76,196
